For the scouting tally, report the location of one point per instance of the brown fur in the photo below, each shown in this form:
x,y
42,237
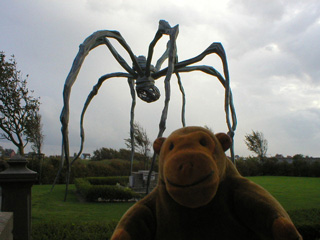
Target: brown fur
x,y
201,195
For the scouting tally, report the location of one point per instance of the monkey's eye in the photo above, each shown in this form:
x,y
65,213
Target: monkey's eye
x,y
171,146
203,142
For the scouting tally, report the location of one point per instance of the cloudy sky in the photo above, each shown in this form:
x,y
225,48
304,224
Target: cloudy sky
x,y
272,48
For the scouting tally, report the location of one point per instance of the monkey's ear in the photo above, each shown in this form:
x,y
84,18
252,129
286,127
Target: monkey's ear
x,y
224,140
157,144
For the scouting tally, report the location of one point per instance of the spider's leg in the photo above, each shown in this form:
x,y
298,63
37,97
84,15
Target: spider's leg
x,y
212,71
60,168
183,110
173,33
216,48
91,95
90,43
133,104
228,100
162,58
150,52
158,66
118,57
116,35
171,68
183,119
164,28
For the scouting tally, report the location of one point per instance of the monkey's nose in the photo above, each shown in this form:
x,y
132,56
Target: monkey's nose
x,y
186,167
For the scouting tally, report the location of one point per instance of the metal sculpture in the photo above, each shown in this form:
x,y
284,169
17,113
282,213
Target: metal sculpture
x,y
142,76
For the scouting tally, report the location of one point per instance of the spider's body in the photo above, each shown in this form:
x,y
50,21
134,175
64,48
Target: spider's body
x,y
143,74
145,88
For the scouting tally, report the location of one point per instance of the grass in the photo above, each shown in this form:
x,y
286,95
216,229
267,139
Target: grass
x,y
294,193
50,205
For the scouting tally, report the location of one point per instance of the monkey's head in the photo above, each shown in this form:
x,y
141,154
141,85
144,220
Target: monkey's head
x,y
192,162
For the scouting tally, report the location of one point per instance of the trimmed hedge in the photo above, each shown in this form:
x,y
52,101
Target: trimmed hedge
x,y
93,193
53,230
122,180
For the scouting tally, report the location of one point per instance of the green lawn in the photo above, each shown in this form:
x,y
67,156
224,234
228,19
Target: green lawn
x,y
293,193
50,205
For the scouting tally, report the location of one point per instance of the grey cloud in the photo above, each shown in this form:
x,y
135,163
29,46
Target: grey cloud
x,y
265,10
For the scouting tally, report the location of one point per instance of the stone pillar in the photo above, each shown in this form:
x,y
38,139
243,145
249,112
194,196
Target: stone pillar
x,y
16,183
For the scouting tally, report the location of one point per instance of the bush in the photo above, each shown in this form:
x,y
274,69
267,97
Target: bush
x,y
109,153
52,230
93,193
79,169
300,167
3,165
82,186
249,167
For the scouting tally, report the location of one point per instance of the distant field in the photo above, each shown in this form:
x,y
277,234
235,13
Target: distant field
x,y
293,193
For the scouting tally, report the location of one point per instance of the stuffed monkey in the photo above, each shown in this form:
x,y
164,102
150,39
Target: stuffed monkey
x,y
200,195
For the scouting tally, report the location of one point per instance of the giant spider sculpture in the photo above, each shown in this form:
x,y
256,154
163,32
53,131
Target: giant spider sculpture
x,y
142,76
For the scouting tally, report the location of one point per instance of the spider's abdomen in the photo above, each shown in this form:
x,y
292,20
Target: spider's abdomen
x,y
146,90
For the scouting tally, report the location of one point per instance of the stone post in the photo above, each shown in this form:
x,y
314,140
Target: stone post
x,y
16,182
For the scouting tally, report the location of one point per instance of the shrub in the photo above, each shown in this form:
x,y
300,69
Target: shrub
x,y
93,193
109,153
82,186
300,167
80,169
249,167
122,180
100,169
3,165
315,169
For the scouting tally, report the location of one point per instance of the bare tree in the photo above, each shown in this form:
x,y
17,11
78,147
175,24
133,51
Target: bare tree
x,y
257,144
17,106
